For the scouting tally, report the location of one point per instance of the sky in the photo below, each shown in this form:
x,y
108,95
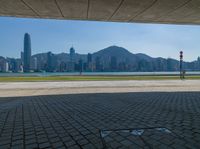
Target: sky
x,y
155,40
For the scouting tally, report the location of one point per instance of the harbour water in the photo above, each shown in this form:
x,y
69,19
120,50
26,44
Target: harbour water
x,y
43,74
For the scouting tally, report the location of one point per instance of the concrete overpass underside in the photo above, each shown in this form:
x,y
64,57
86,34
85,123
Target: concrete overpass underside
x,y
150,11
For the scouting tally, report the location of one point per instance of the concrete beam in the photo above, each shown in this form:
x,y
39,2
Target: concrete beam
x,y
103,9
74,9
160,9
44,8
130,9
190,12
15,8
150,11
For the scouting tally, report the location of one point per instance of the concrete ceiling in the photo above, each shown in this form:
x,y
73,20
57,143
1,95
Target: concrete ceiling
x,y
150,11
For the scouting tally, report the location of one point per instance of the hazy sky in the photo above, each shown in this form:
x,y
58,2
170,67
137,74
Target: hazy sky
x,y
58,36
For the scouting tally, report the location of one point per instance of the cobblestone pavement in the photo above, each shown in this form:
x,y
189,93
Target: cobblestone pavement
x,y
74,121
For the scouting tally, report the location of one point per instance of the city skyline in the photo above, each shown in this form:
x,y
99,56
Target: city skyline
x,y
58,36
110,59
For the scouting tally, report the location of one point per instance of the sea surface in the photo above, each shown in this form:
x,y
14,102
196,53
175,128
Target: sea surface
x,y
43,74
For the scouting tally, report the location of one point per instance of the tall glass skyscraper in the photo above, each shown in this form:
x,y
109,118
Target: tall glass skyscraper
x,y
27,52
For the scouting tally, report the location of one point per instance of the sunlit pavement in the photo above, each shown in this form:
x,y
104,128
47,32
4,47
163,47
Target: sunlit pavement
x,y
16,89
75,121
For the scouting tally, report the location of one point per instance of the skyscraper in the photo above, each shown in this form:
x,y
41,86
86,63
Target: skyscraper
x,y
27,52
71,65
72,54
49,62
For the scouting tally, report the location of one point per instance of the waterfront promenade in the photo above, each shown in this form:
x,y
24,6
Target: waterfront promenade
x,y
14,89
100,114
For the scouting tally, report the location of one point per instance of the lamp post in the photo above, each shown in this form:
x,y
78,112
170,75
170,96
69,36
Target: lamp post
x,y
181,64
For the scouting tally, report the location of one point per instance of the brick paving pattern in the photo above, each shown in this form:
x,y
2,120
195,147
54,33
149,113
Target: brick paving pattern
x,y
74,121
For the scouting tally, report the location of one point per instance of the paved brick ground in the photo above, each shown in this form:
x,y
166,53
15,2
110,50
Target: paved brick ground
x,y
74,121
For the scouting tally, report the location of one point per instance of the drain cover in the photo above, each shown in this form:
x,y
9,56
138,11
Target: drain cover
x,y
140,138
137,132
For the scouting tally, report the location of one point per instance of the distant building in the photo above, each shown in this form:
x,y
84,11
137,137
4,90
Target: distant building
x,y
122,66
35,64
89,58
113,63
72,54
71,63
198,59
89,62
198,63
98,64
70,66
21,69
62,67
4,67
49,62
27,52
80,63
22,57
2,61
13,64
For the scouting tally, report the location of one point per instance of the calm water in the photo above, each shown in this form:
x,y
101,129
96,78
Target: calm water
x,y
42,74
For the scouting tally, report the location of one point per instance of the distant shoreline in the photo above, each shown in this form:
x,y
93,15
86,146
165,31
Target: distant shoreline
x,y
50,74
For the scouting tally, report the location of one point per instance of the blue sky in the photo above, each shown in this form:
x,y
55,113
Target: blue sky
x,y
58,36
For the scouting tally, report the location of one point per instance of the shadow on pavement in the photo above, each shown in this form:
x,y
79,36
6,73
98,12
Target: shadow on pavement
x,y
101,120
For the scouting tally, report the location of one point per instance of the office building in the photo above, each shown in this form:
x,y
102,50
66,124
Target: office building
x,y
27,52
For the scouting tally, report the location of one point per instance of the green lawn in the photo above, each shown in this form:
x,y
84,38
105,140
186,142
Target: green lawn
x,y
90,78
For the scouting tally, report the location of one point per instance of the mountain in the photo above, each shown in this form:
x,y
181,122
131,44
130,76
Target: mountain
x,y
142,56
121,53
122,56
114,51
134,62
118,52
